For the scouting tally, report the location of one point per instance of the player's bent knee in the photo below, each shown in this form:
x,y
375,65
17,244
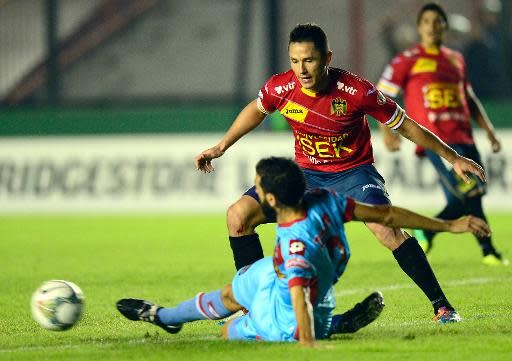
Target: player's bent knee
x,y
228,299
390,238
243,216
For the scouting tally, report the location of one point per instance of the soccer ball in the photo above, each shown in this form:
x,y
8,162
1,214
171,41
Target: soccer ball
x,y
57,305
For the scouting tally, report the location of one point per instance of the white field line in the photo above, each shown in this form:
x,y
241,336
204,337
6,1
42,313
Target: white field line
x,y
410,285
341,293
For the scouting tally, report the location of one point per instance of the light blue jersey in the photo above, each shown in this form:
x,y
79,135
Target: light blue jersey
x,y
312,252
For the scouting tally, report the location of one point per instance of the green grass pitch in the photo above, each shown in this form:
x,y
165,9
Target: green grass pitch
x,y
167,258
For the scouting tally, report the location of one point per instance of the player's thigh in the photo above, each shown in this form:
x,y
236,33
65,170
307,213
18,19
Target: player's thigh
x,y
252,281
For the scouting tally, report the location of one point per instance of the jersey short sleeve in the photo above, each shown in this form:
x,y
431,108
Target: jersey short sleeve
x,y
393,79
382,108
266,100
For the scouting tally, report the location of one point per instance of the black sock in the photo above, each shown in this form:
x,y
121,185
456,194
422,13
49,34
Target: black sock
x,y
474,208
246,249
414,263
453,210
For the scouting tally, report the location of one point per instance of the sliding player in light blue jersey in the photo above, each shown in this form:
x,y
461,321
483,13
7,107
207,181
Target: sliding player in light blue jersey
x,y
284,295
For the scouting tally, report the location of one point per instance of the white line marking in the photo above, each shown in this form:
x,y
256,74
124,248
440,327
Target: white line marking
x,y
410,285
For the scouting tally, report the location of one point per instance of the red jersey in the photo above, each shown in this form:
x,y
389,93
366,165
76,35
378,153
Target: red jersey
x,y
434,84
330,128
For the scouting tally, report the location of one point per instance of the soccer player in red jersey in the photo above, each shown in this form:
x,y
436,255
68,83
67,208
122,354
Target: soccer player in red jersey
x,y
326,109
438,95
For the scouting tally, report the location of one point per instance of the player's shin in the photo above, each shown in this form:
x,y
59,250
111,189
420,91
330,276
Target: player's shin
x,y
246,249
201,307
414,263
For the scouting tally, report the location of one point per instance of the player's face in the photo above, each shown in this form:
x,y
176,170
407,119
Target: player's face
x,y
309,66
431,29
268,210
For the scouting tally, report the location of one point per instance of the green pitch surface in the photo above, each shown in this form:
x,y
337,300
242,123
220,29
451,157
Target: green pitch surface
x,y
170,258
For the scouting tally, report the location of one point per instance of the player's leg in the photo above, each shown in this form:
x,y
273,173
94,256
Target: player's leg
x,y
214,305
473,206
359,316
452,188
366,185
242,218
491,256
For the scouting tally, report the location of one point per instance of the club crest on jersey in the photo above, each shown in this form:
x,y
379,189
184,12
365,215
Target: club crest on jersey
x,y
297,247
339,107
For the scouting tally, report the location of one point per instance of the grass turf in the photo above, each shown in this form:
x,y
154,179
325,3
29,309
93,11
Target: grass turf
x,y
170,258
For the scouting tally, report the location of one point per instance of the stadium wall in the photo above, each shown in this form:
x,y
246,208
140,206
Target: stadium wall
x,y
156,173
184,118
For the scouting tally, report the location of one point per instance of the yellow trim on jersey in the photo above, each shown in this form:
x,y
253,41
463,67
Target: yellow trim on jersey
x,y
397,119
432,50
424,65
388,88
294,111
308,92
260,107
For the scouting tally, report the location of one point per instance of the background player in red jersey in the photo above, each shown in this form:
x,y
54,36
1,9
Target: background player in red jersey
x,y
438,95
326,109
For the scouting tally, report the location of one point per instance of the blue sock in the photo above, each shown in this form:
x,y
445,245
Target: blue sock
x,y
201,307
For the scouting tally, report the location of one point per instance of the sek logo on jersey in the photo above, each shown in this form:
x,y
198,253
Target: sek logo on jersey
x,y
297,247
346,89
279,89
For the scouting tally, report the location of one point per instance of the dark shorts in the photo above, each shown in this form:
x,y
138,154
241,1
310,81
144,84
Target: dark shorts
x,y
454,188
362,183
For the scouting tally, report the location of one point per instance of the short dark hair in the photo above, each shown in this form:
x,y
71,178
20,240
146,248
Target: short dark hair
x,y
310,32
283,178
432,7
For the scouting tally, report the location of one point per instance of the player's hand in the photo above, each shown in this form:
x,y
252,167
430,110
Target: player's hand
x,y
472,224
463,165
392,141
495,143
204,160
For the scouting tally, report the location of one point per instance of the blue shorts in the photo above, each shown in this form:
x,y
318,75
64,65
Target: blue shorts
x,y
454,188
271,317
362,183
255,288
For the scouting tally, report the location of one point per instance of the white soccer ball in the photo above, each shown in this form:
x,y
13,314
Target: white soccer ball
x,y
57,305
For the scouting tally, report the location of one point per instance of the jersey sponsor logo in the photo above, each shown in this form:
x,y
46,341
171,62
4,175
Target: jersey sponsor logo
x,y
294,111
284,88
424,65
347,89
296,263
442,95
339,107
318,146
366,186
297,247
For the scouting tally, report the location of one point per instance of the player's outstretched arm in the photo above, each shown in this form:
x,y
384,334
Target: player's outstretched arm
x,y
248,119
426,139
396,217
304,315
391,140
479,114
